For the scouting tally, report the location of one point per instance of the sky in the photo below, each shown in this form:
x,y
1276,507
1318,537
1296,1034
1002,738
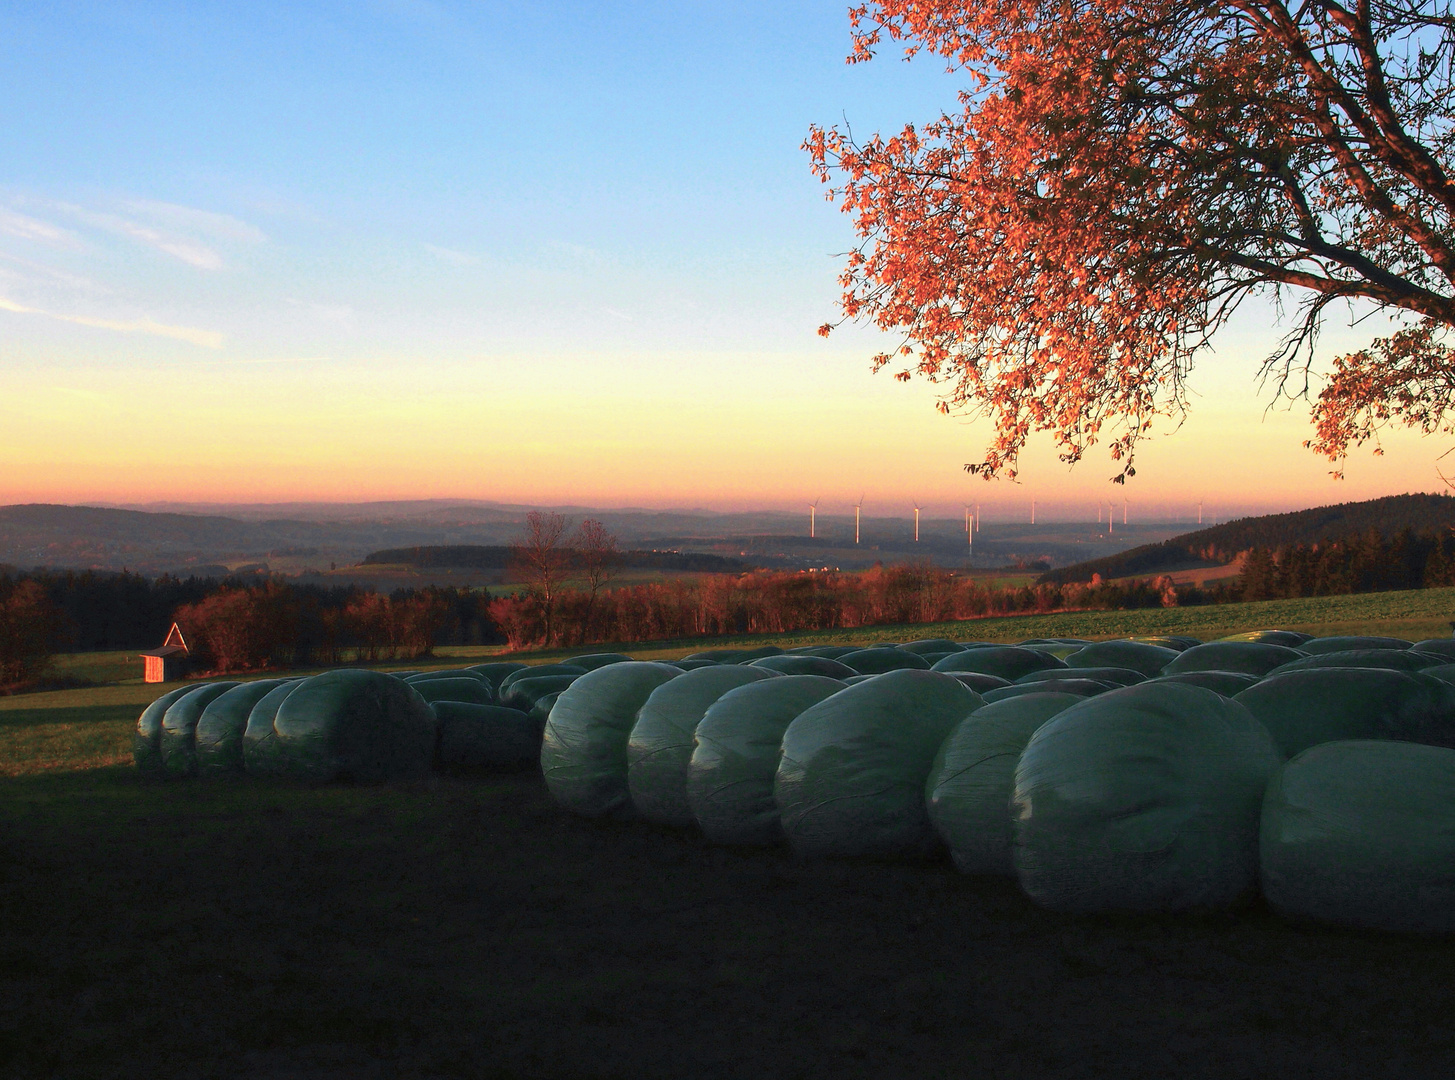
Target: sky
x,y
548,253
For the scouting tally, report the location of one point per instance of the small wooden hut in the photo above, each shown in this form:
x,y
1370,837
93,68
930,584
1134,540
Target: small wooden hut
x,y
170,661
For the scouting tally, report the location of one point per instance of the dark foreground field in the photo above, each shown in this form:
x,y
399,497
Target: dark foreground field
x,y
469,929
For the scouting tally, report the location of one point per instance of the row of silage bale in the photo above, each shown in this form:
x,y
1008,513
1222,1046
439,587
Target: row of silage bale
x,y
1124,775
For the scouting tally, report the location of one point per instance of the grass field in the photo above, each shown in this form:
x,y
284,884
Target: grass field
x,y
466,928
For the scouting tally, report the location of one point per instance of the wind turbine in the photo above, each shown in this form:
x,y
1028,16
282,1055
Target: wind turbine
x,y
977,517
1033,511
812,511
1124,511
916,522
1199,511
857,507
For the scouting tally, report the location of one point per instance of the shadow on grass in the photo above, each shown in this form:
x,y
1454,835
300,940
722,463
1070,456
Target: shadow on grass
x,y
467,928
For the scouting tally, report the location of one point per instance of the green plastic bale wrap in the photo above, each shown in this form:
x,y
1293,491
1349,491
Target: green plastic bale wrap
x,y
1445,673
356,725
485,737
146,747
873,661
852,679
1006,661
1290,638
693,665
540,710
592,661
1060,650
979,681
931,645
1227,683
735,656
179,728
851,780
1363,833
1443,647
523,693
221,725
1143,799
833,652
1119,675
1346,642
495,673
973,776
473,690
659,748
540,671
442,673
1388,659
262,753
1249,657
735,757
805,665
1176,642
583,753
1076,687
1139,656
1301,709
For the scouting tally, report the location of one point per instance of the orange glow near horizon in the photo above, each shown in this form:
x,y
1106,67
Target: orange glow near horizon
x,y
384,432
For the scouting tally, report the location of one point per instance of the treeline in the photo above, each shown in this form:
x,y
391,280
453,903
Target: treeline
x,y
280,625
230,624
1365,563
1322,525
778,602
492,557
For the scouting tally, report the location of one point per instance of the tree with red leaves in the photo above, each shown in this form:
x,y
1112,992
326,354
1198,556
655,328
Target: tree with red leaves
x,y
1120,174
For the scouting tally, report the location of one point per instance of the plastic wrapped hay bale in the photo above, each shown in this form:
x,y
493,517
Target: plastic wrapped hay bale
x,y
522,694
1290,638
1007,661
262,754
485,737
592,661
496,672
355,725
973,776
1142,799
418,677
540,671
734,656
146,746
1139,656
1389,659
805,665
1303,708
1363,833
661,741
583,752
852,776
179,728
1444,648
459,689
924,646
221,725
1118,676
1347,642
1227,683
1249,657
735,756
1076,687
876,661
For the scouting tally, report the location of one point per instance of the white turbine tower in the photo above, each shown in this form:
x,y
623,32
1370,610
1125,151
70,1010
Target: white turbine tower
x,y
1124,511
1199,511
812,511
916,522
857,507
1033,511
977,517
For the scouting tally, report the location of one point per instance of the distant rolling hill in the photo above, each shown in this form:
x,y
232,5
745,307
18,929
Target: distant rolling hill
x,y
492,557
1221,544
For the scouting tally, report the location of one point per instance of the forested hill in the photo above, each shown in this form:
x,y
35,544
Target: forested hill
x,y
496,557
1222,543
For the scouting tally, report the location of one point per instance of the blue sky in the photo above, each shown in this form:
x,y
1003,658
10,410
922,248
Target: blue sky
x,y
546,252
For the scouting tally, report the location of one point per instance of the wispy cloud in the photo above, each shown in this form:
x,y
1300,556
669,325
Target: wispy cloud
x,y
29,228
455,258
208,339
183,232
